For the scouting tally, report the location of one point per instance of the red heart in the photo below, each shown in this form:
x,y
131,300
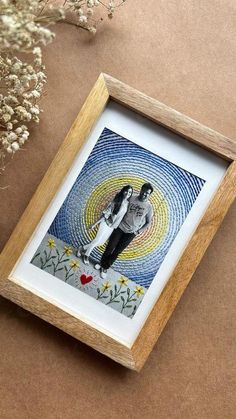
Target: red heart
x,y
85,279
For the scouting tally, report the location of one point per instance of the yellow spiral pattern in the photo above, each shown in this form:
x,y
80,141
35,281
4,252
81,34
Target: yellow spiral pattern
x,y
145,243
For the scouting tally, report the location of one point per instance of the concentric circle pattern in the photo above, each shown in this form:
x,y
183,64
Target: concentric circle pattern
x,y
114,163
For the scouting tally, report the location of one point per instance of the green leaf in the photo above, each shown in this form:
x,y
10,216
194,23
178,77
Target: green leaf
x,y
60,269
116,301
98,290
134,299
128,306
64,260
35,256
123,292
104,296
66,268
41,260
48,266
122,298
128,291
57,252
115,288
111,293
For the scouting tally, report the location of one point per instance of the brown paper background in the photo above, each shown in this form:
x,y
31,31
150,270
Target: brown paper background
x,y
183,53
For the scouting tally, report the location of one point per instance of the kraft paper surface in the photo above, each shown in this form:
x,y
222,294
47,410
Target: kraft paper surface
x,y
182,53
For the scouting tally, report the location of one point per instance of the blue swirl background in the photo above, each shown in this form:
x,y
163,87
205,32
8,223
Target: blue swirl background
x,y
114,156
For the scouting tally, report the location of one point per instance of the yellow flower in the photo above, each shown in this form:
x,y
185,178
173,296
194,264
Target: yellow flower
x,y
106,285
74,265
68,250
51,243
123,281
138,290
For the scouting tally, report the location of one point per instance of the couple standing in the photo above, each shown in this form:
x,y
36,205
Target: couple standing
x,y
125,217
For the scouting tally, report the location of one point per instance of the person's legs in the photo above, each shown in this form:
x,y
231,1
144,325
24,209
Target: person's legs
x,y
115,247
113,242
89,247
124,241
104,232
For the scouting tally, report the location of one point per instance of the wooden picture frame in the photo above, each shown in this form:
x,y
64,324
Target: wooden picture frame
x,y
107,88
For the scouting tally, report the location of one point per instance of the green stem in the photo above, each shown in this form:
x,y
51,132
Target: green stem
x,y
100,295
133,312
129,298
47,259
67,275
116,294
45,3
73,24
104,5
37,254
58,262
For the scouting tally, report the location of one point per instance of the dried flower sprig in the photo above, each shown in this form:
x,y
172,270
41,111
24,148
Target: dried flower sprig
x,y
22,75
22,85
23,29
85,10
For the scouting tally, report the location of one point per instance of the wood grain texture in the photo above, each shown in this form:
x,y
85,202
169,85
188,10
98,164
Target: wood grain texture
x,y
47,189
186,267
53,178
69,324
105,88
171,119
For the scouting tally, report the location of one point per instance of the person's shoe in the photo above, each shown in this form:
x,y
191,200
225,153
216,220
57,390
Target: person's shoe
x,y
97,266
103,273
80,251
85,259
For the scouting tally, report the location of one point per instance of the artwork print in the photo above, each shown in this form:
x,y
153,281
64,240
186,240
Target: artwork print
x,y
117,223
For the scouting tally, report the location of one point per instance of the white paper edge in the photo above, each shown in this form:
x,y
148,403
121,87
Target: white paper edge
x,y
163,143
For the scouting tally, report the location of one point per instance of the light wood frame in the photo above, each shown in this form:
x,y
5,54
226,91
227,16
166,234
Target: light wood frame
x,y
104,89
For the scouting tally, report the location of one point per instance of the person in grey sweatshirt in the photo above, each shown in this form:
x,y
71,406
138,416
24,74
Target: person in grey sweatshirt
x,y
137,218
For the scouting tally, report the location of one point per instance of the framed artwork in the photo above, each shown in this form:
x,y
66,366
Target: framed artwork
x,y
120,222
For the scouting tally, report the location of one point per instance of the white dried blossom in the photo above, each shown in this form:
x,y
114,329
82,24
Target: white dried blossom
x,y
6,117
83,19
37,51
34,110
92,30
80,11
23,29
8,109
9,126
15,146
12,136
90,3
20,24
84,9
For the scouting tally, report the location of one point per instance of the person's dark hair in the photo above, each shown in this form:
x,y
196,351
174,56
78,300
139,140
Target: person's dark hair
x,y
120,197
147,186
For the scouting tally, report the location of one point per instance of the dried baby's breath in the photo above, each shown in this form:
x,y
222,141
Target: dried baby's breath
x,y
24,28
